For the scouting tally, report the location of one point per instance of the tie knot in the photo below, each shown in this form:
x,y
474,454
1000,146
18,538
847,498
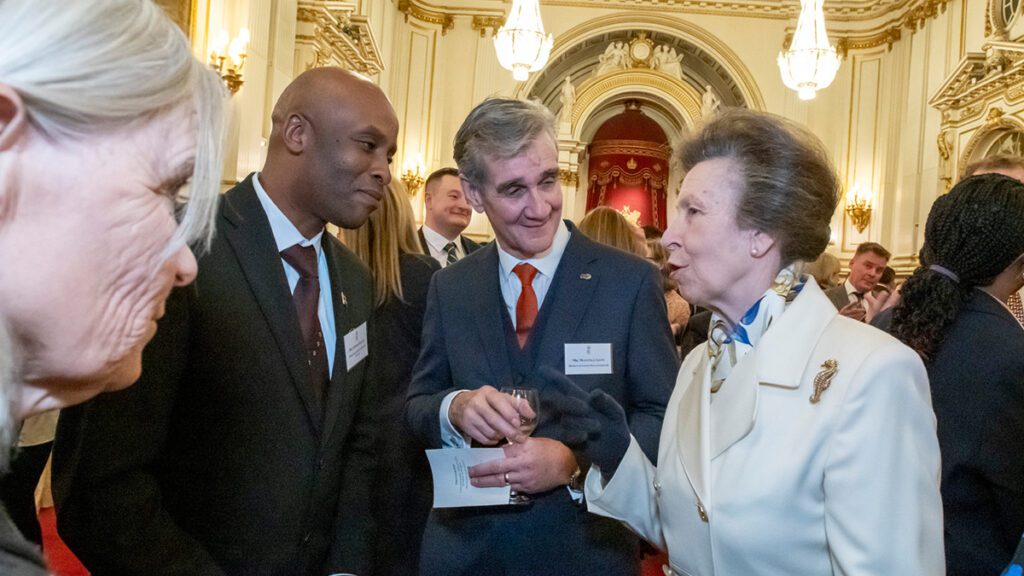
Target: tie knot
x,y
526,273
303,259
450,247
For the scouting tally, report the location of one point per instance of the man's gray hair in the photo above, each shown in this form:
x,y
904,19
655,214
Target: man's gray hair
x,y
87,67
499,128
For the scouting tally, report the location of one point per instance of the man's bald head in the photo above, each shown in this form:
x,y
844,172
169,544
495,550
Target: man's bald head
x,y
318,92
330,148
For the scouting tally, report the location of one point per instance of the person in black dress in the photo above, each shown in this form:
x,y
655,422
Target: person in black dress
x,y
401,273
954,313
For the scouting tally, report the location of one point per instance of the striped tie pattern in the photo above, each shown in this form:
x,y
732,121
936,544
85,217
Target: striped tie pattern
x,y
1016,307
449,249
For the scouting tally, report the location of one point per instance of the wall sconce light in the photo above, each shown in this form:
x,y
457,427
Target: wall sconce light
x,y
858,207
412,174
228,58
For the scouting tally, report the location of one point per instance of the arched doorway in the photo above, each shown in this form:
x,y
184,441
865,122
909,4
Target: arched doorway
x,y
628,168
600,65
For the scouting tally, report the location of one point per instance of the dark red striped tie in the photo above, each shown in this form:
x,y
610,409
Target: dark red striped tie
x,y
307,301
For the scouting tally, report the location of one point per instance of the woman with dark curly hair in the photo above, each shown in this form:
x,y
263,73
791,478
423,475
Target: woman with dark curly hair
x,y
954,313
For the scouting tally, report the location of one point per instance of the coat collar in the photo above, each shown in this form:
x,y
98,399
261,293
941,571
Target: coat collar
x,y
250,237
707,429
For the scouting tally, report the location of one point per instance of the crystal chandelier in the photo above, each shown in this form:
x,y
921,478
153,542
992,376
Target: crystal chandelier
x,y
810,64
521,44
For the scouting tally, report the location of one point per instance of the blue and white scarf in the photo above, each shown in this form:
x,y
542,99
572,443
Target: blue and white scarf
x,y
726,348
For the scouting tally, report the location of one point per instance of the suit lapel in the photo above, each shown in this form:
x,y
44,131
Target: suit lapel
x,y
692,425
568,298
338,393
249,234
486,308
423,241
735,405
707,429
779,360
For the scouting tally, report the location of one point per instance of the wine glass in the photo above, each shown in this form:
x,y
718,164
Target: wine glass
x,y
526,426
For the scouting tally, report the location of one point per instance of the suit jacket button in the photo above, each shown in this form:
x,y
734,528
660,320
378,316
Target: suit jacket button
x,y
657,488
305,539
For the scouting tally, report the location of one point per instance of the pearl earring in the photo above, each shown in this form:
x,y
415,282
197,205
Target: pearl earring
x,y
753,252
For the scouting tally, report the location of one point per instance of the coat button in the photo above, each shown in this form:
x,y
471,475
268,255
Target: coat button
x,y
657,488
306,538
701,511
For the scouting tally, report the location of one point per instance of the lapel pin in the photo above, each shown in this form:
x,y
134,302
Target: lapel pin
x,y
585,276
344,299
823,380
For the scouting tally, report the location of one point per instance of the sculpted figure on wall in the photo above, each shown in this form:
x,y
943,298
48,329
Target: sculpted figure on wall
x,y
665,59
614,58
709,103
568,99
945,144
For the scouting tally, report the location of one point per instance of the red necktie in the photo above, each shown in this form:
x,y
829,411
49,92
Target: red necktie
x,y
1016,307
307,301
526,307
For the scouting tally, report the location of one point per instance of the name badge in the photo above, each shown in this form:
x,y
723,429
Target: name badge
x,y
356,346
588,358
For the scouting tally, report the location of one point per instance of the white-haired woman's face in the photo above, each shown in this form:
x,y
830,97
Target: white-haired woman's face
x,y
86,250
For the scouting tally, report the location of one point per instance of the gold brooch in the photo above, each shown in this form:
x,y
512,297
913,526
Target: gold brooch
x,y
823,380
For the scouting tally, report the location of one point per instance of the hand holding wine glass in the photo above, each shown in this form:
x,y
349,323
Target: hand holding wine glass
x,y
528,406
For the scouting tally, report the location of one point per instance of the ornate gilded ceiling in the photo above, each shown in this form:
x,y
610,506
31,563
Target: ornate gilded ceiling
x,y
906,12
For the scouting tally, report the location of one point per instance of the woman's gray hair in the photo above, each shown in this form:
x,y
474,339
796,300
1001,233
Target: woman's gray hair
x,y
498,128
790,189
87,67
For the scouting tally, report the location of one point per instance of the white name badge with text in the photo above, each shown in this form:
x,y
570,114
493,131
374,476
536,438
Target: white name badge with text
x,y
588,359
356,346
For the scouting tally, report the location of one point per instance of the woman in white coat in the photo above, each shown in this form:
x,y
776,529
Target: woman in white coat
x,y
797,441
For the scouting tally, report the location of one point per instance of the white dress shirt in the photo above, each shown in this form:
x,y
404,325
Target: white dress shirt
x,y
287,235
851,293
436,244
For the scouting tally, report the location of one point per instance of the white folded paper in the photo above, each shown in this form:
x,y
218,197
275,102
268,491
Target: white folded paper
x,y
450,469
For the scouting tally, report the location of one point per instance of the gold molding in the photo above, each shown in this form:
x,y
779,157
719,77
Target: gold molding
x,y
911,12
997,121
844,44
677,27
913,17
337,36
980,78
568,177
595,90
444,20
487,24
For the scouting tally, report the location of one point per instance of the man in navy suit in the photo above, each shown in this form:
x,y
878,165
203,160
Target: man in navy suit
x,y
542,295
445,215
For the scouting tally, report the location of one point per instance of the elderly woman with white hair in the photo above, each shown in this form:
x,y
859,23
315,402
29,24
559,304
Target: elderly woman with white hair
x,y
106,119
